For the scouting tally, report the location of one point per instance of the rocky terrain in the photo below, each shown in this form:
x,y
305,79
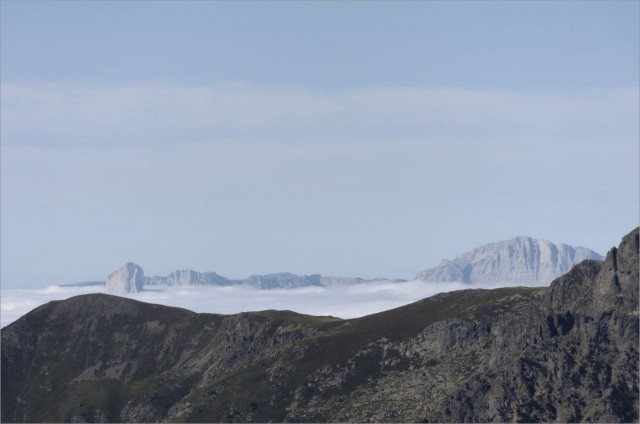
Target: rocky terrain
x,y
521,260
564,353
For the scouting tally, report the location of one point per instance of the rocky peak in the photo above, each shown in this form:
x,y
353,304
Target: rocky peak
x,y
521,259
128,279
597,286
617,283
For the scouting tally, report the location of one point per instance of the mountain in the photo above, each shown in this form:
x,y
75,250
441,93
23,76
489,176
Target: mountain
x,y
287,280
122,280
521,260
282,280
129,278
188,278
565,353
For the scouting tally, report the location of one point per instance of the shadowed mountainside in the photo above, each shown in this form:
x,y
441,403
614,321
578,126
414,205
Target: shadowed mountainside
x,y
564,353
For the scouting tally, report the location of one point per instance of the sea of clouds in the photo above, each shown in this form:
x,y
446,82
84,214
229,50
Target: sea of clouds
x,y
340,301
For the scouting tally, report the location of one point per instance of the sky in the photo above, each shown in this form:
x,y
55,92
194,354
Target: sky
x,y
366,139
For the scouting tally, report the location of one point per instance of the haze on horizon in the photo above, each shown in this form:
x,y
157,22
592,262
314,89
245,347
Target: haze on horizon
x,y
346,139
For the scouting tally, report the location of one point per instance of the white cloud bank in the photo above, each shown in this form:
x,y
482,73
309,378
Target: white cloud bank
x,y
341,301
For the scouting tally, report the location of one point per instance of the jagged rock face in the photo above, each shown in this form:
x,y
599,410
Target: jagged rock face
x,y
128,279
521,260
565,353
577,361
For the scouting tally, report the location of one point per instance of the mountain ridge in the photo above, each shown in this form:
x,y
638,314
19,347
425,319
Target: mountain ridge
x,y
567,352
540,261
522,259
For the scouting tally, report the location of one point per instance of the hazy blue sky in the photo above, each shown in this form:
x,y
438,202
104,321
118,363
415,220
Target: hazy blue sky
x,y
341,138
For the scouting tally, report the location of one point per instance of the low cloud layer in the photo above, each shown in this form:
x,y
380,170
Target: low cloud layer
x,y
340,301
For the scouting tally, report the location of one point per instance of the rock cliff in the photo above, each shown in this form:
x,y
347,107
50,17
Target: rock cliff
x,y
129,278
521,260
563,353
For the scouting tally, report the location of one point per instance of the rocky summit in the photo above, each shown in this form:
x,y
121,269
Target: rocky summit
x,y
563,353
129,278
521,260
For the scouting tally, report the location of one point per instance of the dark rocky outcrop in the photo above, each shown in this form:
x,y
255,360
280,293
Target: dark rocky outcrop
x,y
581,366
568,352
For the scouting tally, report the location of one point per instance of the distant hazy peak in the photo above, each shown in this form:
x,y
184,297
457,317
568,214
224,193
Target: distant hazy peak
x,y
129,278
522,259
121,280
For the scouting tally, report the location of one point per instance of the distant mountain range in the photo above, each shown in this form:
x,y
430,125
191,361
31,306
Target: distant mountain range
x,y
130,278
563,353
521,260
282,280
